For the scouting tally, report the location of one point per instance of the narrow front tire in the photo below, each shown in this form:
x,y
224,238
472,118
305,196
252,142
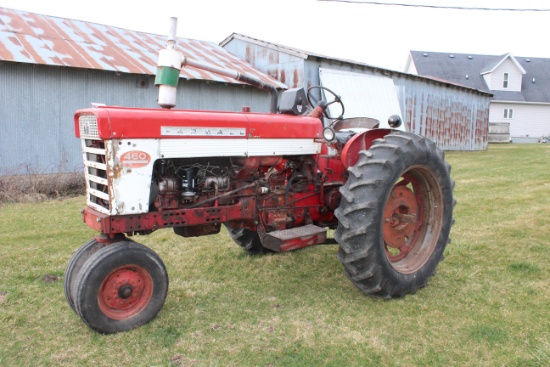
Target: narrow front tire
x,y
121,287
75,264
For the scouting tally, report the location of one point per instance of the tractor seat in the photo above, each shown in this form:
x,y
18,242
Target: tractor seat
x,y
344,136
356,123
346,128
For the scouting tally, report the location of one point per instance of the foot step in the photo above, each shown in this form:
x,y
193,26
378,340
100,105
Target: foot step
x,y
294,238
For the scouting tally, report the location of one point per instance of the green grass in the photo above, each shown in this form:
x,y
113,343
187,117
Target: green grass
x,y
488,305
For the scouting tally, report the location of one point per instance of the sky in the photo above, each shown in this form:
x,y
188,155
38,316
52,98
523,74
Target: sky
x,y
379,35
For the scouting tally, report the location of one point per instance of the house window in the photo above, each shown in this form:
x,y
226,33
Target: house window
x,y
505,81
508,113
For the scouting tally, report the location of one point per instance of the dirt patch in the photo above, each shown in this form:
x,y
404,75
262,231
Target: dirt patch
x,y
3,297
181,360
50,278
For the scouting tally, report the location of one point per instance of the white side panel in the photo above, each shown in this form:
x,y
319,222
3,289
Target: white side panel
x,y
363,95
130,186
193,148
267,147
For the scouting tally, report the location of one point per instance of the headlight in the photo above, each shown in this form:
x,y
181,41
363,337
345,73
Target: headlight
x,y
328,134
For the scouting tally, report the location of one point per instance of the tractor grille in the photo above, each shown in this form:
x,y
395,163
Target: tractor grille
x,y
88,126
95,169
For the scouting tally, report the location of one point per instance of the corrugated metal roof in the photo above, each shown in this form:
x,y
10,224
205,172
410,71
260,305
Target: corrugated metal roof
x,y
41,39
306,55
282,48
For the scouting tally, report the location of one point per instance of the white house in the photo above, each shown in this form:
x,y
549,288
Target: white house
x,y
520,87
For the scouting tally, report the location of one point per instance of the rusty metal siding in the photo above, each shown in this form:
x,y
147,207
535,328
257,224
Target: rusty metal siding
x,y
455,119
37,104
286,68
46,40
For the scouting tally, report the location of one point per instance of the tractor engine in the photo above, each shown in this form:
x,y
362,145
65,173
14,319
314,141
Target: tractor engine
x,y
177,183
276,184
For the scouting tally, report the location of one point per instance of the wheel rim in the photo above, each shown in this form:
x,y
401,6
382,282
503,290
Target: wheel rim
x,y
125,292
412,220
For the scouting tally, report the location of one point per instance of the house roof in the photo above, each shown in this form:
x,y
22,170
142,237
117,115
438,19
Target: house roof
x,y
468,69
47,40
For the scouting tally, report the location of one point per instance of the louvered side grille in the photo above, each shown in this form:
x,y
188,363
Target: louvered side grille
x,y
95,169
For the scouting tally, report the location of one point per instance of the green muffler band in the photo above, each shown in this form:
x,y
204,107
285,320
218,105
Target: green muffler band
x,y
167,76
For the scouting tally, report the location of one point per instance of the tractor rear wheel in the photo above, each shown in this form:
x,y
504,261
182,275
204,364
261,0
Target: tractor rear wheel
x,y
395,215
75,264
120,287
247,239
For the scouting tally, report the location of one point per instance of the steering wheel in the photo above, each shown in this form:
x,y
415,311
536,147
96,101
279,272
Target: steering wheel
x,y
314,102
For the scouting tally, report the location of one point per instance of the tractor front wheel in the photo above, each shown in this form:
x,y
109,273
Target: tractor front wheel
x,y
120,287
75,264
395,215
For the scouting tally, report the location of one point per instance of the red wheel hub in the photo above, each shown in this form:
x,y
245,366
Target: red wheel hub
x,y
401,220
125,292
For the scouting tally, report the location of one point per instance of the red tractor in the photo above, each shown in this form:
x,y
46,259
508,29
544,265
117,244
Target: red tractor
x,y
275,181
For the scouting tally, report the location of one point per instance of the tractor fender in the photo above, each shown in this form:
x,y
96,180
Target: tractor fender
x,y
359,142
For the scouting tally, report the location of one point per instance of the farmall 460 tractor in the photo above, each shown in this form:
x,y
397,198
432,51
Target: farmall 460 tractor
x,y
275,181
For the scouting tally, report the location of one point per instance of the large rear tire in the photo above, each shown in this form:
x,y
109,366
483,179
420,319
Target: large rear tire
x,y
395,215
120,287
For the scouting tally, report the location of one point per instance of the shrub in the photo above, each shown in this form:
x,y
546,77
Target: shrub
x,y
41,187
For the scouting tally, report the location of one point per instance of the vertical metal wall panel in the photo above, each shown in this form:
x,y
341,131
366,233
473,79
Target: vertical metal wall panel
x,y
198,95
457,119
37,104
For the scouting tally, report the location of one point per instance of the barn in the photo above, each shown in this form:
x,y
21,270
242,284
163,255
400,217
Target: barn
x,y
453,115
50,67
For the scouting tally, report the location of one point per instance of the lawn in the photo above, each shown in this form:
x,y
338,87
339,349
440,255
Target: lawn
x,y
488,305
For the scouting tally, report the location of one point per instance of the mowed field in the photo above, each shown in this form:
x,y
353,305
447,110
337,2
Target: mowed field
x,y
488,305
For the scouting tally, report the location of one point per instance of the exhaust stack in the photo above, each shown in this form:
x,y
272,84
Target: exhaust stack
x,y
168,69
171,61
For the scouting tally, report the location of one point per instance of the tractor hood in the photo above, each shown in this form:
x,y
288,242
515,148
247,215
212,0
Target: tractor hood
x,y
120,123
